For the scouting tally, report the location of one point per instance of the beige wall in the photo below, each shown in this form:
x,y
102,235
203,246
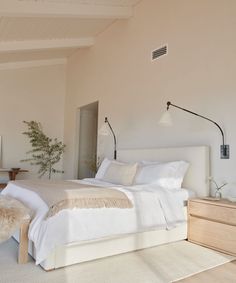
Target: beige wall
x,y
38,94
198,73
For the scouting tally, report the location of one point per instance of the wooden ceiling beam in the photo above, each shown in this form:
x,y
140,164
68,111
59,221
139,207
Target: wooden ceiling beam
x,y
33,45
16,8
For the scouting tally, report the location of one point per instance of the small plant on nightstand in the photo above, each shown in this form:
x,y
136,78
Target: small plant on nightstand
x,y
218,188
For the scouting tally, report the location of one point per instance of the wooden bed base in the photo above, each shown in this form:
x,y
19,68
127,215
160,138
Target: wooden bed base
x,y
81,252
90,250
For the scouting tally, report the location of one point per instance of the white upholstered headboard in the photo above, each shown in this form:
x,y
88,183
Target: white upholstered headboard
x,y
197,176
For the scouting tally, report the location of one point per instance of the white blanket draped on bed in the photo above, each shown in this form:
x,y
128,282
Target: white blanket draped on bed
x,y
154,208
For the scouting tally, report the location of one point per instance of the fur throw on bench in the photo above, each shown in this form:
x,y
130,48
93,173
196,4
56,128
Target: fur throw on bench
x,y
12,215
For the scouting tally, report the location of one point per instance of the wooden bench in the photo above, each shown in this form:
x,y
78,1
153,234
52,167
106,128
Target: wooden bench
x,y
23,238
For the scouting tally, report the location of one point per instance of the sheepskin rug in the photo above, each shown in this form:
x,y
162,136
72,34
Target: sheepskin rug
x,y
12,214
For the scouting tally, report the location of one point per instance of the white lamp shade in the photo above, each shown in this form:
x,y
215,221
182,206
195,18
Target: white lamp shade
x,y
166,119
104,131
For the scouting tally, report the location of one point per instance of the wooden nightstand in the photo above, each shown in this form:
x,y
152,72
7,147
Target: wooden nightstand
x,y
212,224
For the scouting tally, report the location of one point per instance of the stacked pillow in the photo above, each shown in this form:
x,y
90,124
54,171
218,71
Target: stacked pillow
x,y
103,168
117,172
168,175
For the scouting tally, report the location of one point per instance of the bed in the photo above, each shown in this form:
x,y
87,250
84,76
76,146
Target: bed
x,y
128,239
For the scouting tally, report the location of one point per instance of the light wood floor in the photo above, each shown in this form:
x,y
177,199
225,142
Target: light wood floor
x,y
225,273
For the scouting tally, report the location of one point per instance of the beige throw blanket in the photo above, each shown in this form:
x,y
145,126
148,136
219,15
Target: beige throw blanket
x,y
60,195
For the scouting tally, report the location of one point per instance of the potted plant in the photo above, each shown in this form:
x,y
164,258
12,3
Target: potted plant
x,y
46,152
218,188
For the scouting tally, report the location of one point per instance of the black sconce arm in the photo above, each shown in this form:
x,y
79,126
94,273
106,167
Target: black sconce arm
x,y
115,151
225,148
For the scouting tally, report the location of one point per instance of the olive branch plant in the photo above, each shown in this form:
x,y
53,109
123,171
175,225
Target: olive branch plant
x,y
46,152
217,187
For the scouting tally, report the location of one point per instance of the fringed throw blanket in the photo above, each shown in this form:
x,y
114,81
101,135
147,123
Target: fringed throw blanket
x,y
60,195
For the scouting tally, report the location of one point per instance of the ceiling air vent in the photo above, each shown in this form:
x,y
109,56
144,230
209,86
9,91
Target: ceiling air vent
x,y
159,52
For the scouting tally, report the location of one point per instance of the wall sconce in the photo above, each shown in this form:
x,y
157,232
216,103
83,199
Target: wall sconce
x,y
105,132
167,121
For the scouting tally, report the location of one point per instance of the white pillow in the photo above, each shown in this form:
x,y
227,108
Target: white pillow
x,y
168,175
102,168
146,162
121,174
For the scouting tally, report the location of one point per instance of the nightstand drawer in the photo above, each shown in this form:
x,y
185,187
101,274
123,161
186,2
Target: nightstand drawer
x,y
212,234
213,212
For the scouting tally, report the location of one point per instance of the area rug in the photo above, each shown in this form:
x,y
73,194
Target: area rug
x,y
162,264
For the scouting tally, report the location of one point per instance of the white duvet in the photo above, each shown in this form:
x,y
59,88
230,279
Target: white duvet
x,y
154,208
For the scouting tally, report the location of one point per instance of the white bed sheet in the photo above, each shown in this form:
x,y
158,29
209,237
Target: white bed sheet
x,y
89,224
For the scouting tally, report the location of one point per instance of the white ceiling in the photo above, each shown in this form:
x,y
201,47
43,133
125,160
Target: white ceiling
x,y
44,29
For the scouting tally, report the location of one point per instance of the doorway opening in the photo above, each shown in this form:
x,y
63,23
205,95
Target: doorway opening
x,y
88,128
